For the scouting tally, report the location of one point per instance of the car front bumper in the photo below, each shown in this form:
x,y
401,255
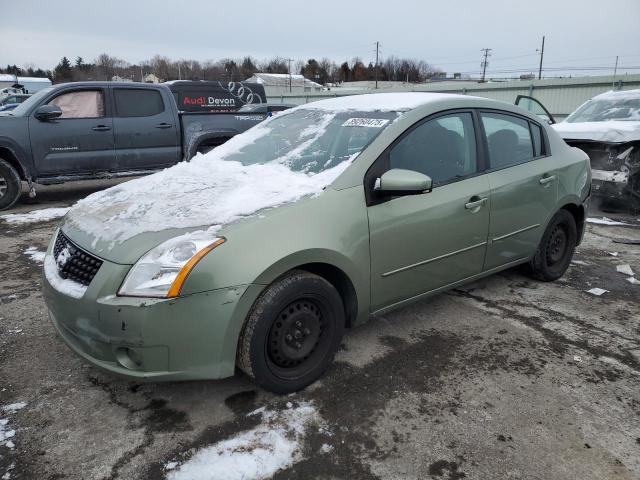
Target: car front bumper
x,y
185,338
609,183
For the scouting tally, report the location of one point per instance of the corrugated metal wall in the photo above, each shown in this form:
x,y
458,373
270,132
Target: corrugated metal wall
x,y
560,96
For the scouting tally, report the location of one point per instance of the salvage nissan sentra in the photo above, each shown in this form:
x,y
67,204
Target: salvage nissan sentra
x,y
260,253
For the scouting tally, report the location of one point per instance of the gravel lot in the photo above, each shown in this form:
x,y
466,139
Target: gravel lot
x,y
504,378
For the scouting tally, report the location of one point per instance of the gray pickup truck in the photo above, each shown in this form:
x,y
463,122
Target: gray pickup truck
x,y
93,130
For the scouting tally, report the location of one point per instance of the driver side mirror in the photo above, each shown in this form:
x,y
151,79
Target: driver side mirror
x,y
45,113
398,181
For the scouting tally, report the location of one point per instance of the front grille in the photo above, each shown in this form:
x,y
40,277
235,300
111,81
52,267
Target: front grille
x,y
73,262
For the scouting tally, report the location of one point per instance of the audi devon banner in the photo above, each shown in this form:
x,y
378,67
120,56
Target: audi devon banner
x,y
193,96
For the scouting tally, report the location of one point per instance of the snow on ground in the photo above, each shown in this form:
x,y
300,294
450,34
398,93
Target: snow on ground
x,y
35,255
6,432
35,216
255,454
14,407
604,221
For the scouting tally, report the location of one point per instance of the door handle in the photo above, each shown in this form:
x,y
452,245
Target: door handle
x,y
164,125
547,179
101,128
473,204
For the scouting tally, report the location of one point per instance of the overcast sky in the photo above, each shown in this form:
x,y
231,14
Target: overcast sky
x,y
449,34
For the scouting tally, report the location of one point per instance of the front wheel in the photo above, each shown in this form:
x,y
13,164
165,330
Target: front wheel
x,y
556,248
10,186
292,332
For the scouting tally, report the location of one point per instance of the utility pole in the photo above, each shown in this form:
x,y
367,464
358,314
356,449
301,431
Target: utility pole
x,y
377,52
615,70
179,74
541,56
485,62
291,60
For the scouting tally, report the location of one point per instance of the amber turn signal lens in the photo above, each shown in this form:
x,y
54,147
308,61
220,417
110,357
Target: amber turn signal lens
x,y
176,287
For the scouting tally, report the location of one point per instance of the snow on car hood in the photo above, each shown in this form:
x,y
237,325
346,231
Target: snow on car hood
x,y
207,191
610,131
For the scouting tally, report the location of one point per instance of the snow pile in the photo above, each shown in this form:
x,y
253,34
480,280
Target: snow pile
x,y
6,433
34,254
604,221
35,216
255,454
62,285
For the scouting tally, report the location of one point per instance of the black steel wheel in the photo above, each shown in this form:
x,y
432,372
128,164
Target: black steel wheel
x,y
556,248
292,332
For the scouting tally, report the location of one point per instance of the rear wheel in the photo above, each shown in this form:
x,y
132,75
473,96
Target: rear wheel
x,y
556,248
292,332
10,186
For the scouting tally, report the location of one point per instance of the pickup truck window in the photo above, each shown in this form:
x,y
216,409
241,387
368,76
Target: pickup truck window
x,y
137,102
80,104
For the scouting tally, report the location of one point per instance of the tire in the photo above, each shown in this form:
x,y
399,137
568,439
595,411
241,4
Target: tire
x,y
556,248
10,186
292,332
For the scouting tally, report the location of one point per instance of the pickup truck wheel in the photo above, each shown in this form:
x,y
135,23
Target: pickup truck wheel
x,y
556,248
10,186
292,332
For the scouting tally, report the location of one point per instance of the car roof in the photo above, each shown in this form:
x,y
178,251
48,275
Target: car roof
x,y
617,95
392,102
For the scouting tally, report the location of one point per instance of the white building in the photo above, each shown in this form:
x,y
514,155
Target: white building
x,y
30,84
280,83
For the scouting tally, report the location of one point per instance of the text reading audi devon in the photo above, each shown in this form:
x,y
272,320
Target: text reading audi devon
x,y
260,253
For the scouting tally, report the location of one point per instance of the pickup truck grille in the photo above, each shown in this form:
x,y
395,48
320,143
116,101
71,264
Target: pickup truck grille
x,y
73,262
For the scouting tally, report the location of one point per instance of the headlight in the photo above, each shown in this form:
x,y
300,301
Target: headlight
x,y
161,272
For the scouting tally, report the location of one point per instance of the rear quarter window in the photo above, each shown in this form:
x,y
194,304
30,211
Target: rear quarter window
x,y
136,102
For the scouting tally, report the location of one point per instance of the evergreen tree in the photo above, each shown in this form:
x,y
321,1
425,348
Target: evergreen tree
x,y
63,72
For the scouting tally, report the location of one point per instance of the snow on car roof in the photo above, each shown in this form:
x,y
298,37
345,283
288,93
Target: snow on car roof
x,y
618,95
386,102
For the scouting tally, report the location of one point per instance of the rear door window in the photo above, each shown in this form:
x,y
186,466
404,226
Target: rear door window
x,y
137,102
508,139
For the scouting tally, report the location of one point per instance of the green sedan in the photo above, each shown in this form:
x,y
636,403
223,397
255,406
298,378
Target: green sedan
x,y
259,254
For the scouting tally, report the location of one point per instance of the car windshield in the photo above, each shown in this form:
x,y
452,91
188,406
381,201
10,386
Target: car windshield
x,y
602,110
310,140
25,106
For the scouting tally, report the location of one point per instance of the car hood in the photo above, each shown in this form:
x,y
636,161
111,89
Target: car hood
x,y
123,222
608,132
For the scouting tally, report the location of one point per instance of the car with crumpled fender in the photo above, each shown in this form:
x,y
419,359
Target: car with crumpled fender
x,y
607,128
259,254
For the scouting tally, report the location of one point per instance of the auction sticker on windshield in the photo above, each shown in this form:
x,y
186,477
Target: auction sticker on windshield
x,y
366,122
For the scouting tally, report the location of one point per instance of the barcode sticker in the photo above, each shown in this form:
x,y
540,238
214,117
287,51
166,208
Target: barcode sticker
x,y
366,122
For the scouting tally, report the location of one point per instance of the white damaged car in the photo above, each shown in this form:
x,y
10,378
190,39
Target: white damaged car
x,y
607,128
